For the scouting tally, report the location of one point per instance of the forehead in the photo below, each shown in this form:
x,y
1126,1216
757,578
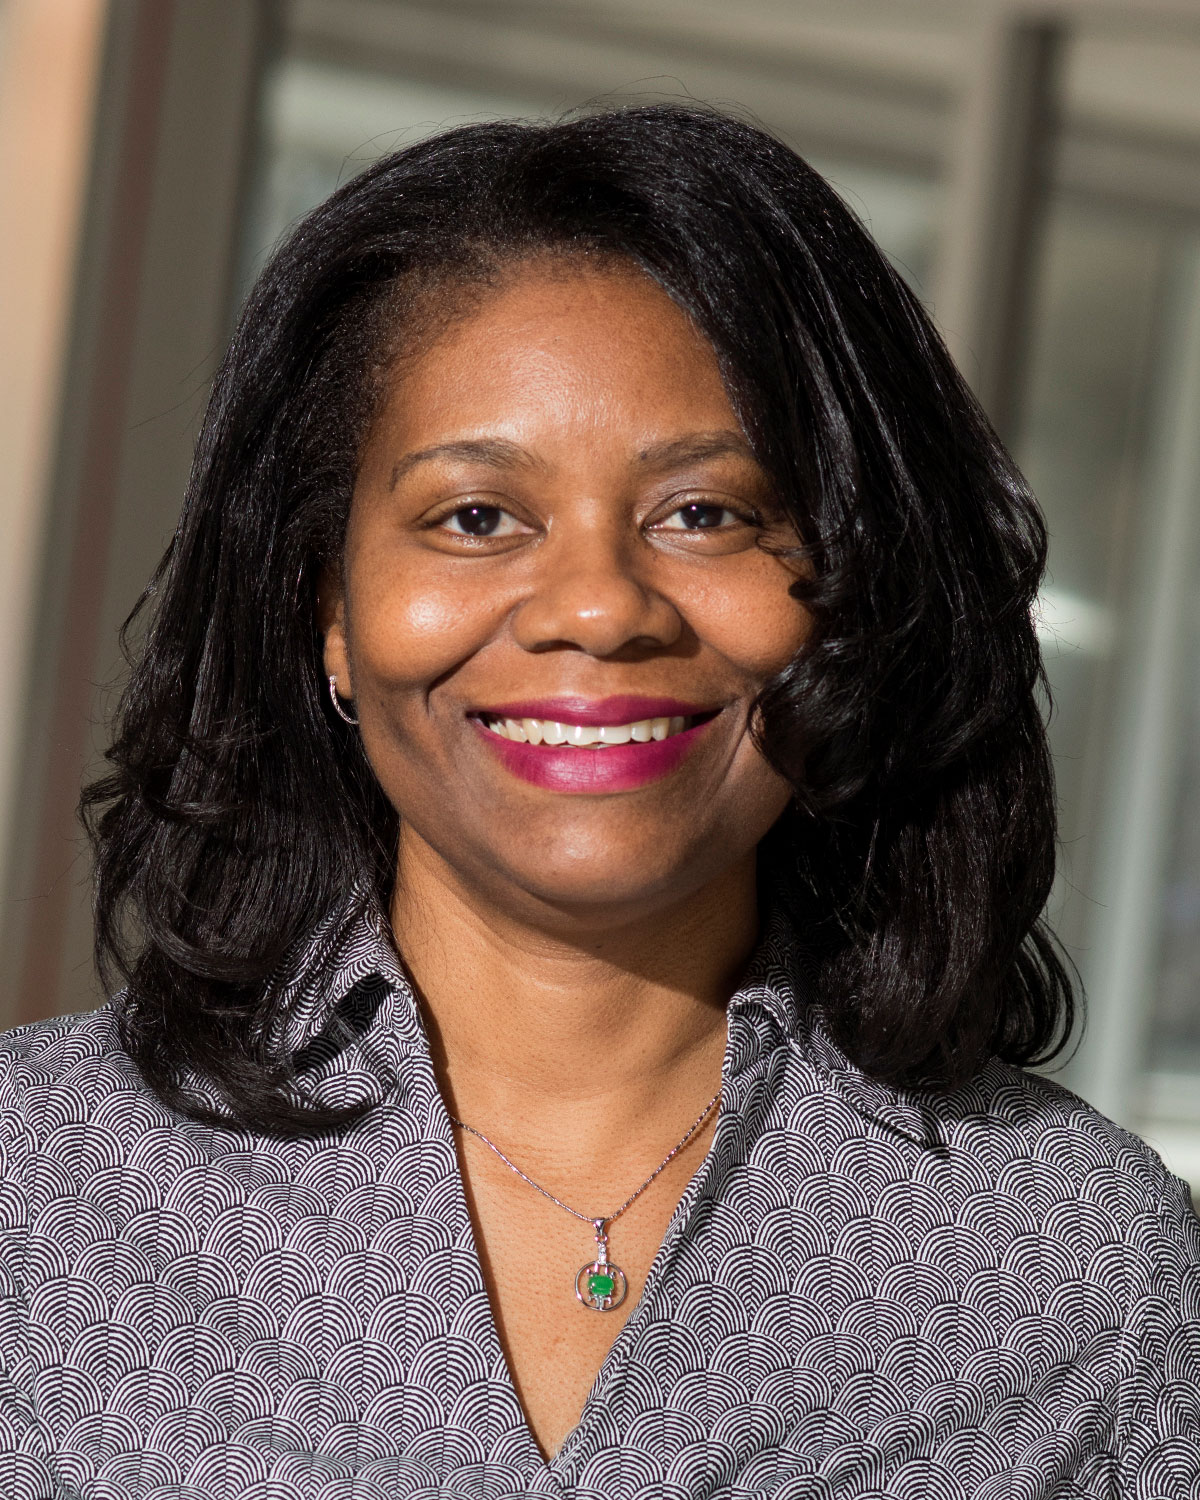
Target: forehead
x,y
560,344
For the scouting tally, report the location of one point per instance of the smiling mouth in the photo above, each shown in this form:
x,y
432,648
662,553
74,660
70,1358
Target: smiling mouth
x,y
590,736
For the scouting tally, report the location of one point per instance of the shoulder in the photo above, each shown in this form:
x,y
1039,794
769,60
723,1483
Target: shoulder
x,y
1044,1143
63,1071
1050,1123
1005,1130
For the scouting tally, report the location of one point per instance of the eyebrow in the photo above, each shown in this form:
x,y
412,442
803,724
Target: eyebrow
x,y
499,453
695,448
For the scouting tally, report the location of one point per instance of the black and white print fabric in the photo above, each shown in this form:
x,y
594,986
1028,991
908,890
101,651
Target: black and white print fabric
x,y
994,1295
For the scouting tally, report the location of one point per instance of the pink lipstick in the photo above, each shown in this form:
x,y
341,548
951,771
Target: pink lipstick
x,y
612,744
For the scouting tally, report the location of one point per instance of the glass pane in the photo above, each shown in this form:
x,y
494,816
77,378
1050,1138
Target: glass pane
x,y
1137,81
868,94
1108,437
324,118
1081,436
322,123
1173,1044
1136,96
1175,1033
902,210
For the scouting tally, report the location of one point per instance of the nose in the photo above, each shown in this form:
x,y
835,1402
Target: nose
x,y
592,593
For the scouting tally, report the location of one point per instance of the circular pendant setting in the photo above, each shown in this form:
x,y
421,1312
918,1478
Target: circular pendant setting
x,y
600,1285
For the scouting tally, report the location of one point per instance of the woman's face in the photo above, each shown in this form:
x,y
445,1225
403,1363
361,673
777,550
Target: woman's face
x,y
555,538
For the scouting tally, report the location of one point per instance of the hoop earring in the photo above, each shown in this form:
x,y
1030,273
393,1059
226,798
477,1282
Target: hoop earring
x,y
337,702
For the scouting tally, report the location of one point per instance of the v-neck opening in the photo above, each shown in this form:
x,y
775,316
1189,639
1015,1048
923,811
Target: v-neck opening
x,y
617,1351
550,1468
546,1470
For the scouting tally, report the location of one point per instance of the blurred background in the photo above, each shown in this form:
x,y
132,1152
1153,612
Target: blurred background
x,y
1032,168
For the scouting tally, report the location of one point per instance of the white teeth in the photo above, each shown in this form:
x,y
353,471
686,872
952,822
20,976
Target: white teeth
x,y
584,736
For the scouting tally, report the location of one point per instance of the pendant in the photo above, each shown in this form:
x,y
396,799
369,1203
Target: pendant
x,y
601,1285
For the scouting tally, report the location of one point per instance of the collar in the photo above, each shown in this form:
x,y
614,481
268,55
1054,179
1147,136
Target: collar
x,y
346,990
779,983
344,1005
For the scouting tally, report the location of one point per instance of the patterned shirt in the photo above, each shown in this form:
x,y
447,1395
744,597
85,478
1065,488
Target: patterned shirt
x,y
989,1294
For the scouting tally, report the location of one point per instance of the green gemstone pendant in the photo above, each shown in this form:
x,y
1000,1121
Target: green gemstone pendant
x,y
600,1285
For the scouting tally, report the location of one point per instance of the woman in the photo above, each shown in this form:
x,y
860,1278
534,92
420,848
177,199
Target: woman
x,y
575,846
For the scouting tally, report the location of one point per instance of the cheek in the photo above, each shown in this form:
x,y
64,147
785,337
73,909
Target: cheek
x,y
408,630
752,621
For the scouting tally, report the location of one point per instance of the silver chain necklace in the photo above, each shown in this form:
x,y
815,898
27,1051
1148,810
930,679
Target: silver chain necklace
x,y
601,1284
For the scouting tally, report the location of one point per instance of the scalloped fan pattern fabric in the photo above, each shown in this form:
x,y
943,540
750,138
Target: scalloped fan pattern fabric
x,y
986,1295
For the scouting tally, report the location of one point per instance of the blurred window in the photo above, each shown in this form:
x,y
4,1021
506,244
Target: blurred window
x,y
324,118
1108,415
322,123
1110,438
1175,1036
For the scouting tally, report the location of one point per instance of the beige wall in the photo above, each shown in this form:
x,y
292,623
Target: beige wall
x,y
49,51
133,313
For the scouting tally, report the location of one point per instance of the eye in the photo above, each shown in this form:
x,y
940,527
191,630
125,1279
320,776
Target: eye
x,y
698,515
481,521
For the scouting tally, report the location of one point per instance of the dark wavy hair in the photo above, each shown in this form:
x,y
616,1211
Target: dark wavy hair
x,y
918,851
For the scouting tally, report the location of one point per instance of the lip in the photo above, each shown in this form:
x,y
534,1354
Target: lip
x,y
622,709
616,768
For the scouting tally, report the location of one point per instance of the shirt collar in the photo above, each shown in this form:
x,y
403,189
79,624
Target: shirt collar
x,y
346,987
345,1010
779,984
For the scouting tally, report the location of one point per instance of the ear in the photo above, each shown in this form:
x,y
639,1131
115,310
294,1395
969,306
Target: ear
x,y
331,621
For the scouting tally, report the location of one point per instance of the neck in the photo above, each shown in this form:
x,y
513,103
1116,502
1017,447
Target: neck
x,y
534,1020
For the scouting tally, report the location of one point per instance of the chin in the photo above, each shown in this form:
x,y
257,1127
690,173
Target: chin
x,y
595,891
